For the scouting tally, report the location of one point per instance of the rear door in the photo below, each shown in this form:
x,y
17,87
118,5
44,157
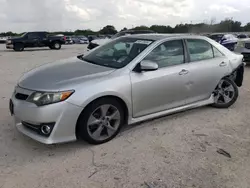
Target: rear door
x,y
43,39
206,68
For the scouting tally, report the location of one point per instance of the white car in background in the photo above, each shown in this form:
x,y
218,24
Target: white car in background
x,y
3,39
99,42
243,47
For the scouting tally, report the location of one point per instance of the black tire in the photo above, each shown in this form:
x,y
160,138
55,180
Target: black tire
x,y
51,47
18,47
82,130
56,45
233,100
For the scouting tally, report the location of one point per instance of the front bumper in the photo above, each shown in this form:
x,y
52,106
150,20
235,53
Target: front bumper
x,y
9,46
64,116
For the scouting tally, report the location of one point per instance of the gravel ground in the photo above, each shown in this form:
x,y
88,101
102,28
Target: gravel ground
x,y
174,151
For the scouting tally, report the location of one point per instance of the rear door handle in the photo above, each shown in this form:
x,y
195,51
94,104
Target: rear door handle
x,y
223,64
183,72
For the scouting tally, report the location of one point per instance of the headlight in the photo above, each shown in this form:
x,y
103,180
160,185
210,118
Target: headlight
x,y
45,98
8,41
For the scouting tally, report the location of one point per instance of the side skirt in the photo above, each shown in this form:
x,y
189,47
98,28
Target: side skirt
x,y
171,111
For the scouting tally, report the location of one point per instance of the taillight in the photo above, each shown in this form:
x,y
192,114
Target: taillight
x,y
64,38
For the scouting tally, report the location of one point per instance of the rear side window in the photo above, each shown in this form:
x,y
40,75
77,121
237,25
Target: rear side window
x,y
199,49
217,53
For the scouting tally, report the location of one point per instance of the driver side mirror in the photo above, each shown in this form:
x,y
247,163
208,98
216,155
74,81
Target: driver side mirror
x,y
147,65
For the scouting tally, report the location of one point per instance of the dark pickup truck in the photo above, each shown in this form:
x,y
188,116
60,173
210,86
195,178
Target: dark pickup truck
x,y
35,39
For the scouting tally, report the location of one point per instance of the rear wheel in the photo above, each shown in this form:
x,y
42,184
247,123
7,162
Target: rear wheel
x,y
101,121
18,47
225,94
56,45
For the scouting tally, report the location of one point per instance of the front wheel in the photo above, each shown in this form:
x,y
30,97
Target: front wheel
x,y
225,94
101,121
18,47
56,45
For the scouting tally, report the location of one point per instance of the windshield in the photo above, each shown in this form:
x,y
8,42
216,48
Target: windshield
x,y
23,34
117,53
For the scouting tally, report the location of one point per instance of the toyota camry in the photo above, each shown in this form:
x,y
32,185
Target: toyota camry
x,y
128,80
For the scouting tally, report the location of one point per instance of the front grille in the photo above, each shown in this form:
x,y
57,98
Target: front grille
x,y
247,45
31,126
21,96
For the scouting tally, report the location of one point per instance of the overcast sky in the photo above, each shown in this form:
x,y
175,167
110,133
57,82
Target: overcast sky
x,y
54,15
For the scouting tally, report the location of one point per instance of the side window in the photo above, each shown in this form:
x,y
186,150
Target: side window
x,y
33,36
217,53
199,49
167,54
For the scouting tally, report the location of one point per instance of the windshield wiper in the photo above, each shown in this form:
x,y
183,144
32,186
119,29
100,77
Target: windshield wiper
x,y
87,60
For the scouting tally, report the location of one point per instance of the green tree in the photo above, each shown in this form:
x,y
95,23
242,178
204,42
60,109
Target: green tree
x,y
161,29
247,27
142,27
108,30
124,29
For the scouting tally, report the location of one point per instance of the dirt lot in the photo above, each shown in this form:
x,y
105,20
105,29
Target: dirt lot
x,y
174,151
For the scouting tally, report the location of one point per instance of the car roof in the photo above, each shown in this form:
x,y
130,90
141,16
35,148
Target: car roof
x,y
162,36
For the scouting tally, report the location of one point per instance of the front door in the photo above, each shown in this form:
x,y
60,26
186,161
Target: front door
x,y
33,40
206,68
162,89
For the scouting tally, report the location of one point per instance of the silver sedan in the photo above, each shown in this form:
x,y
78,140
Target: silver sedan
x,y
128,80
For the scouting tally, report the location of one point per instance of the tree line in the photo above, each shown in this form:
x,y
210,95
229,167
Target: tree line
x,y
227,25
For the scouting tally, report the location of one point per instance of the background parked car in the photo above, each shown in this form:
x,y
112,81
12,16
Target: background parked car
x,y
243,47
227,40
68,40
102,41
3,40
80,40
92,37
35,39
242,36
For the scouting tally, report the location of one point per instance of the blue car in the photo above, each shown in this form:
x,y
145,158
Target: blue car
x,y
227,40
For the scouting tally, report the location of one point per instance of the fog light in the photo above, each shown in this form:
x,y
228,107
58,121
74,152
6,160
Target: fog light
x,y
46,130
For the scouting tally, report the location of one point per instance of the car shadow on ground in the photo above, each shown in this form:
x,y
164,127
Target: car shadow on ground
x,y
32,146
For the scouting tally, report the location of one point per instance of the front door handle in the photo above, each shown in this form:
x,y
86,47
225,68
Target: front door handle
x,y
183,72
223,64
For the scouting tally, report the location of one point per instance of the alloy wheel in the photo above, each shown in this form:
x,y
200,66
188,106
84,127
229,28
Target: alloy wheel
x,y
224,92
103,122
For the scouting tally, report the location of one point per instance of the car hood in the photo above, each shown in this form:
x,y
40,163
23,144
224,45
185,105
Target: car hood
x,y
61,75
100,41
16,38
